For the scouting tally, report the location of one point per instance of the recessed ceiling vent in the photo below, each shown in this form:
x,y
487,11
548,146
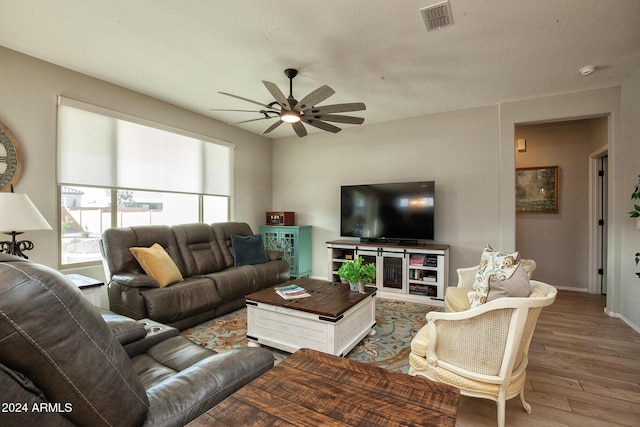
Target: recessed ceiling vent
x,y
437,16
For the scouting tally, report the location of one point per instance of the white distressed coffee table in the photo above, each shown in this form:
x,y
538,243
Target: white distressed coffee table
x,y
332,320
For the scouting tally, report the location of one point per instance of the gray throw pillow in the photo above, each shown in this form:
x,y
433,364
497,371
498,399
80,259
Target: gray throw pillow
x,y
515,286
248,250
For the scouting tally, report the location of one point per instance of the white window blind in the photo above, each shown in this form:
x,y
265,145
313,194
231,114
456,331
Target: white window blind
x,y
100,147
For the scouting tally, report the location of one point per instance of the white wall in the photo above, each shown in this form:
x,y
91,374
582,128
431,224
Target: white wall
x,y
28,94
629,295
457,150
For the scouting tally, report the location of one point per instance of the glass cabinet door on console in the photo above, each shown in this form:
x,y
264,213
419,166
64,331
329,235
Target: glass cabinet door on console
x,y
389,268
393,266
295,243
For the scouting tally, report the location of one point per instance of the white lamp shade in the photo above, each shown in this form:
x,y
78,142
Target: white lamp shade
x,y
18,213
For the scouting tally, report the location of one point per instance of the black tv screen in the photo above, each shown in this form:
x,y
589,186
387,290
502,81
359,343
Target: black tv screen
x,y
394,211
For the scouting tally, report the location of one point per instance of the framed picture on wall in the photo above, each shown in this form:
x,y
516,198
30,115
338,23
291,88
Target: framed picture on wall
x,y
537,190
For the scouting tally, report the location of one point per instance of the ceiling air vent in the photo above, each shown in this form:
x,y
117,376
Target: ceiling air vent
x,y
436,16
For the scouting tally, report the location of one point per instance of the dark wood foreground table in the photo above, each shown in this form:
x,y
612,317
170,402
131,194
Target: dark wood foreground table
x,y
311,388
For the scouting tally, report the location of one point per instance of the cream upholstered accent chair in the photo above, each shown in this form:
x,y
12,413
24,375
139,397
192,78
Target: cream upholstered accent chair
x,y
482,351
456,299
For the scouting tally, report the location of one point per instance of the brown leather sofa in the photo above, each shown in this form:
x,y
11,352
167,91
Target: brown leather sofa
x,y
61,364
204,254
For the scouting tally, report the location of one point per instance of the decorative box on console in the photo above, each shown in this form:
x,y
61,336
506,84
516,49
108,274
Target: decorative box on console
x,y
281,218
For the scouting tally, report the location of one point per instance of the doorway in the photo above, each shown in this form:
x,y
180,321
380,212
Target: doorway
x,y
599,221
569,249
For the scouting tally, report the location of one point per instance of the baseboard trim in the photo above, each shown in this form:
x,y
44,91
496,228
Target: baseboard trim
x,y
569,288
624,319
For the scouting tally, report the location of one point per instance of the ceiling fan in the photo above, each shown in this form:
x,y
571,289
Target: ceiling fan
x,y
290,110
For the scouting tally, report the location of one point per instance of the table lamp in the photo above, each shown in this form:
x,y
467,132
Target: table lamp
x,y
17,215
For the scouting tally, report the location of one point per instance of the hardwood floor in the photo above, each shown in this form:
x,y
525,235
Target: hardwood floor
x,y
584,370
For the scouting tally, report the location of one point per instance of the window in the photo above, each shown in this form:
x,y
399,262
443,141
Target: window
x,y
119,171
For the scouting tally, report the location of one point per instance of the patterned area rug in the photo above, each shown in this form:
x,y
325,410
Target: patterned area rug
x,y
396,325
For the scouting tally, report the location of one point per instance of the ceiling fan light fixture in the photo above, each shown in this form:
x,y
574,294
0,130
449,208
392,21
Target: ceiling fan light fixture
x,y
289,110
290,116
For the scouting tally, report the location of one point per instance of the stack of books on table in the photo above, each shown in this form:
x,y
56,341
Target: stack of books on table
x,y
292,291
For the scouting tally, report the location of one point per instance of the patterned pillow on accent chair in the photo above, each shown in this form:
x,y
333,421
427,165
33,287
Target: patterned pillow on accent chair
x,y
457,297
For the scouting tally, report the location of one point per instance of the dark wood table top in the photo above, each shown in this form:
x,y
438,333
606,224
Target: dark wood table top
x,y
311,388
329,299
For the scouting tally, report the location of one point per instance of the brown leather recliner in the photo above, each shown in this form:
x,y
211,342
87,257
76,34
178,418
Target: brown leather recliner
x,y
61,364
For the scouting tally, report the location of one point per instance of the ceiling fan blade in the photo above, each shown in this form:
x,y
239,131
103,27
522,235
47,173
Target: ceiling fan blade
x,y
240,111
245,99
272,127
277,94
338,119
315,97
339,108
253,120
299,128
321,125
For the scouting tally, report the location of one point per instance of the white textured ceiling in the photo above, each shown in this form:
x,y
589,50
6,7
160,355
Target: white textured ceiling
x,y
374,51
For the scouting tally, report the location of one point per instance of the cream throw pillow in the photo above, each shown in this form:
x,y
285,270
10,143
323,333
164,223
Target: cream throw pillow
x,y
499,265
157,263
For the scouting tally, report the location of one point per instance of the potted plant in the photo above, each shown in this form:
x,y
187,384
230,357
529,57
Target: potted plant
x,y
357,273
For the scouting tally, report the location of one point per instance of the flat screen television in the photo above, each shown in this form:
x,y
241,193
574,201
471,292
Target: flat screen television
x,y
390,212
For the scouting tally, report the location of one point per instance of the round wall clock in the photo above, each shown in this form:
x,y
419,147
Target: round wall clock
x,y
11,161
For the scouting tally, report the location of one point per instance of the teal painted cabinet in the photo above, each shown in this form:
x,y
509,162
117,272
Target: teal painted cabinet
x,y
294,241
